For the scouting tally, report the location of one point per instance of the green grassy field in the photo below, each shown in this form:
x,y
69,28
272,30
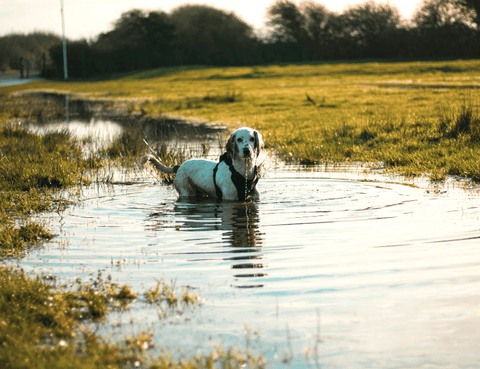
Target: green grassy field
x,y
402,114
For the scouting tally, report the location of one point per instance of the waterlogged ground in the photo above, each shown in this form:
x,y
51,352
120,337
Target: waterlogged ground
x,y
322,271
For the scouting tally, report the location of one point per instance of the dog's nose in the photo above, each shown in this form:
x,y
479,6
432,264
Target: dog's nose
x,y
246,151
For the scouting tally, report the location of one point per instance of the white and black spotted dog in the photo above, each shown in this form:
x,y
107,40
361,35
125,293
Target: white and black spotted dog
x,y
234,177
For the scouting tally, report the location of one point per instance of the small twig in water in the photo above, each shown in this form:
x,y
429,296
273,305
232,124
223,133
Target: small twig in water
x,y
288,356
317,341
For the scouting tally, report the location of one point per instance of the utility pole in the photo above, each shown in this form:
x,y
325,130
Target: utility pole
x,y
65,70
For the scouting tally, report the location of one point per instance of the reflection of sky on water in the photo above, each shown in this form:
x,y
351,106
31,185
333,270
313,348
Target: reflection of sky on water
x,y
389,271
94,134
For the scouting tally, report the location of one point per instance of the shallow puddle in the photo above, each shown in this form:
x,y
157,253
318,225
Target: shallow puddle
x,y
320,272
387,275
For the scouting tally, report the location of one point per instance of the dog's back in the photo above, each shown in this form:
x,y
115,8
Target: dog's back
x,y
195,175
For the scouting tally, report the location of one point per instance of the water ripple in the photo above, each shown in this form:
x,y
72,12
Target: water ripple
x,y
389,267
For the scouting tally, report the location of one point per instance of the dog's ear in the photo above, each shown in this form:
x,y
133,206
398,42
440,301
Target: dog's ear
x,y
258,142
231,146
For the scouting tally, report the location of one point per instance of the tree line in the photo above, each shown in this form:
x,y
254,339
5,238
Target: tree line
x,y
18,48
303,32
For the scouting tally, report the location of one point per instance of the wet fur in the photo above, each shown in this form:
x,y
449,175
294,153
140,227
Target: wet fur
x,y
195,177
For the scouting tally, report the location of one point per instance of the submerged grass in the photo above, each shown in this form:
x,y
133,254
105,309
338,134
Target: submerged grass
x,y
39,327
167,299
42,326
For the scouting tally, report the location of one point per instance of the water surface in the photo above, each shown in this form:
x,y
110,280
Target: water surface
x,y
333,267
355,273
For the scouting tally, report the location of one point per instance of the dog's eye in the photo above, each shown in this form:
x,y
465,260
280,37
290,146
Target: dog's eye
x,y
252,139
240,139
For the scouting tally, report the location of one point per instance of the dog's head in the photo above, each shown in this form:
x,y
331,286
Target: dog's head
x,y
245,143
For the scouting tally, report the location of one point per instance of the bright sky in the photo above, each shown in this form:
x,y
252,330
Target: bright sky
x,y
88,18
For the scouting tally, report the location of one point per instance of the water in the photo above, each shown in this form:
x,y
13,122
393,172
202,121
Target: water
x,y
94,134
356,274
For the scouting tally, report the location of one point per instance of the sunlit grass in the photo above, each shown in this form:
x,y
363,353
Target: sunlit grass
x,y
31,167
369,112
312,113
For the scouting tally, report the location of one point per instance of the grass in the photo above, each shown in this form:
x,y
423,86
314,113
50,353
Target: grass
x,y
41,327
33,162
413,117
316,113
31,167
38,326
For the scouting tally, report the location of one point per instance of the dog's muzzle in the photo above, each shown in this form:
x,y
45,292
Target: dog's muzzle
x,y
247,153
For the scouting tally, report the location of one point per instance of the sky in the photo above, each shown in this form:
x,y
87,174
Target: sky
x,y
88,18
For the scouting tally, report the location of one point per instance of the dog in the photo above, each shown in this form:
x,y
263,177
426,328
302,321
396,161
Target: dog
x,y
234,177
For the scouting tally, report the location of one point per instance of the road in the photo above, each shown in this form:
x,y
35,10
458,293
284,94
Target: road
x,y
13,78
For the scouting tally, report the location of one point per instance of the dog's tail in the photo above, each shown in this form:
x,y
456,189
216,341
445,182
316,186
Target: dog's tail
x,y
158,165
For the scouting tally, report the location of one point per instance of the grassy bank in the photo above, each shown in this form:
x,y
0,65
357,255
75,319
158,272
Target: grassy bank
x,y
393,113
44,324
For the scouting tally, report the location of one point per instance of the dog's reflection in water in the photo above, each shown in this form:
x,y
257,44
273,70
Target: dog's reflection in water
x,y
239,224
